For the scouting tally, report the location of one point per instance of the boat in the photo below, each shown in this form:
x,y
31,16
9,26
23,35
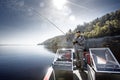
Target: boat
x,y
99,64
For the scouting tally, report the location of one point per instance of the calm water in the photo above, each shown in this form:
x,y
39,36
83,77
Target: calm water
x,y
24,62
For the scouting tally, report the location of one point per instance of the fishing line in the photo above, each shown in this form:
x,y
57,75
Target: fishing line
x,y
48,21
77,5
42,16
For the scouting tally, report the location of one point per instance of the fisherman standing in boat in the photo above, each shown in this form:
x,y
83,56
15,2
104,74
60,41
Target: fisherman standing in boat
x,y
79,45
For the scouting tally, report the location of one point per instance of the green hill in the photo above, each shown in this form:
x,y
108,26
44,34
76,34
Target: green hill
x,y
107,25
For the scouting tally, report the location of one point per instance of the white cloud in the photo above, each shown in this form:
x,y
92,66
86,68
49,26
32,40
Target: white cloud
x,y
42,4
59,4
66,11
72,17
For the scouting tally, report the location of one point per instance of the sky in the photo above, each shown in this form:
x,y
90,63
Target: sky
x,y
34,21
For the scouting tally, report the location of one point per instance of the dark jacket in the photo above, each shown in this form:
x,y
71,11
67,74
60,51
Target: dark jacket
x,y
79,42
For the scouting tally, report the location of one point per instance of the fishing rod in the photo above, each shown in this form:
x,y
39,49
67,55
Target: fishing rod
x,y
44,17
49,21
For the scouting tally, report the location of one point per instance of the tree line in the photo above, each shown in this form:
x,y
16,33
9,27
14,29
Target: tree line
x,y
107,25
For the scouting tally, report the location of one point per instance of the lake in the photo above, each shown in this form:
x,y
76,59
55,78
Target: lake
x,y
24,62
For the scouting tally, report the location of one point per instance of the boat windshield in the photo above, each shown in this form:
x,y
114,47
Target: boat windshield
x,y
104,59
64,55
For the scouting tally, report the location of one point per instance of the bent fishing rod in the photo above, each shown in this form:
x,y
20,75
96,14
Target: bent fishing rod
x,y
44,17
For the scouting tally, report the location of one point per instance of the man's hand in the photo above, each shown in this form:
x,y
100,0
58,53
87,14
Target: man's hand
x,y
74,42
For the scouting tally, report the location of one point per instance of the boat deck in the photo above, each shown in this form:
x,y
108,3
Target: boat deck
x,y
79,75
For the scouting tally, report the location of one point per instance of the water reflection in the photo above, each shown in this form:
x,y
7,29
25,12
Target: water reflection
x,y
24,62
51,49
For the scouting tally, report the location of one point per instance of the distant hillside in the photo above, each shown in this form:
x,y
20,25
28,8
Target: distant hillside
x,y
56,41
107,25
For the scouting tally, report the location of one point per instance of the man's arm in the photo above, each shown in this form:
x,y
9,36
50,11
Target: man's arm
x,y
75,41
81,41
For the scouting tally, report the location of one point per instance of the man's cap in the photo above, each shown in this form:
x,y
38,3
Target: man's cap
x,y
77,31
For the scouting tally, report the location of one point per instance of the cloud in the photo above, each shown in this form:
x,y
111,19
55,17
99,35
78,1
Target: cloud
x,y
66,10
42,4
72,17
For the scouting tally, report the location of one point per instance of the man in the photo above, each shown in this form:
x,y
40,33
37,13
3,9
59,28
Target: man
x,y
78,44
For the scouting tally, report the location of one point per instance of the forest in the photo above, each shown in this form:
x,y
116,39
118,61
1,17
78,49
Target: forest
x,y
107,25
